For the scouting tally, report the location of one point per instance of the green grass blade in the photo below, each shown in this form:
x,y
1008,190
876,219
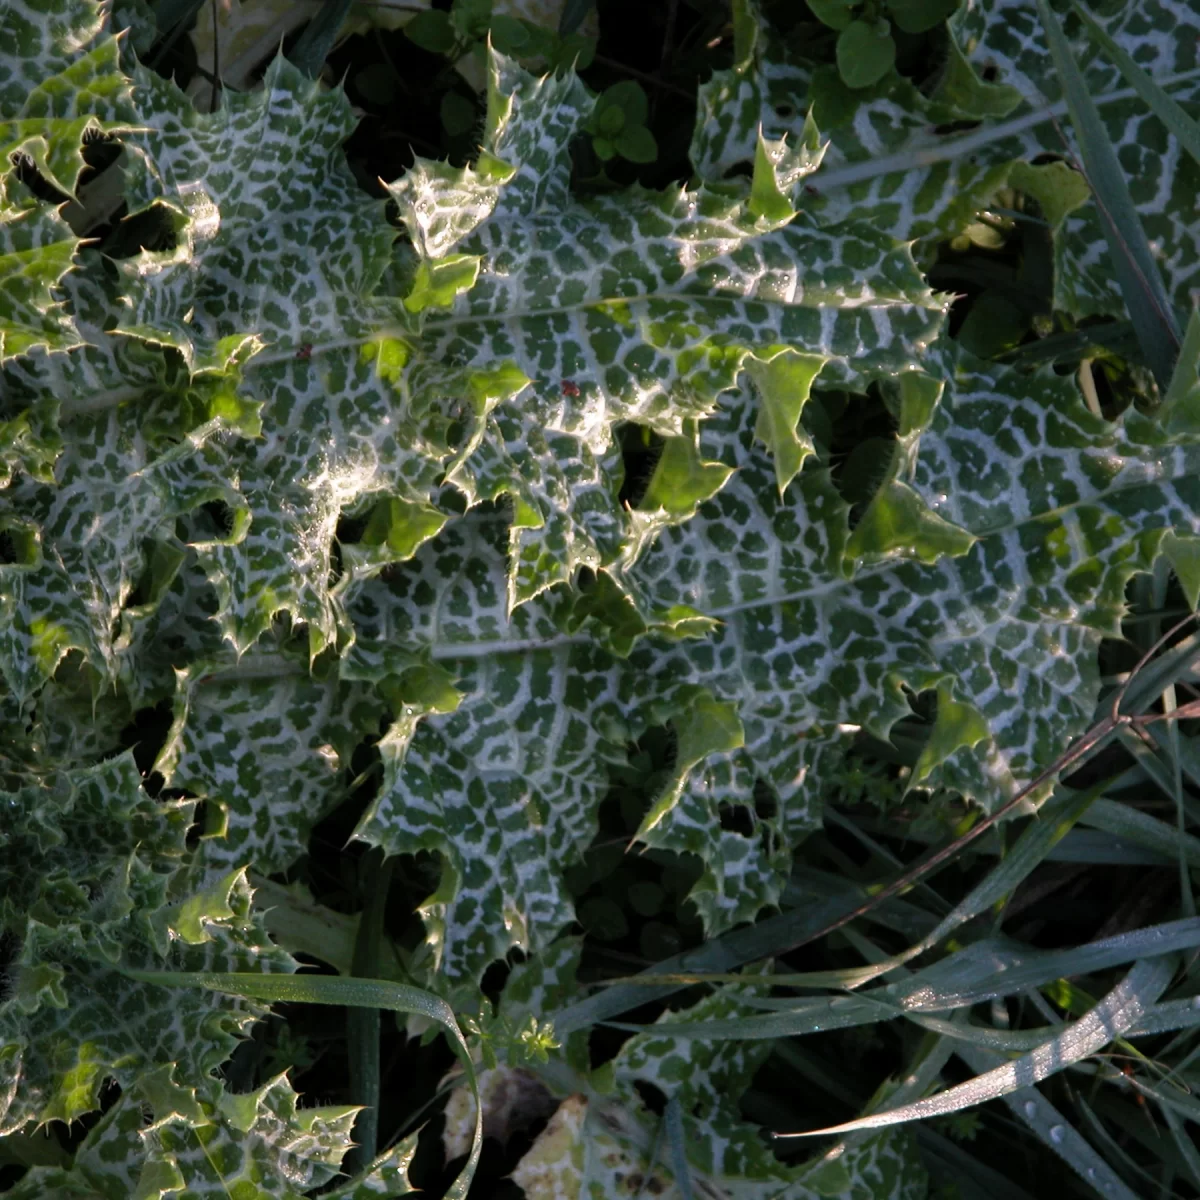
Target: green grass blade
x,y
172,18
1055,819
926,1067
983,971
1003,1041
1113,1016
1076,344
1136,271
574,13
1165,1017
1053,822
719,954
1185,1104
1171,666
1181,753
1029,1106
810,905
956,1167
1160,756
363,1024
673,1122
1169,1016
1164,108
1089,846
1132,825
349,993
801,1017
1184,1144
937,988
1115,1151
1181,395
1050,1127
313,45
993,967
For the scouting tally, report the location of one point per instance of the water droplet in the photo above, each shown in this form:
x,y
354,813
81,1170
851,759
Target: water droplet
x,y
1057,1133
1030,1109
1091,1172
1196,1001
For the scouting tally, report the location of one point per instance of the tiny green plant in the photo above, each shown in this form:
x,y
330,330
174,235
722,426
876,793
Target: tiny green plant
x,y
470,25
866,44
618,124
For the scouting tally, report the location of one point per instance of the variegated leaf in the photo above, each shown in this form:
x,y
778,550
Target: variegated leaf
x,y
268,748
706,282
897,153
92,878
83,536
995,599
163,1138
505,782
59,82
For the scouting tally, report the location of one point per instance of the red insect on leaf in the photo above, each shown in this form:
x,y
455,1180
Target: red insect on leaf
x,y
305,352
570,388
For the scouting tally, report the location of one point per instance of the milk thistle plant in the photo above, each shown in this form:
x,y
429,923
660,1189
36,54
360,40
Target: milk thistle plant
x,y
559,602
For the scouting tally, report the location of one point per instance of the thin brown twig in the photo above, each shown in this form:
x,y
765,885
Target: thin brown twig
x,y
644,76
664,57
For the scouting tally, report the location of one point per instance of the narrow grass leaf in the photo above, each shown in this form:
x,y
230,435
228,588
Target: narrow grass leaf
x,y
1112,1017
363,1024
1117,336
1054,820
1169,1016
1024,969
574,13
673,1122
1180,395
1183,1102
801,1017
1165,1017
1157,100
172,19
1133,825
730,950
1137,272
1003,1041
313,45
1184,1144
1171,666
1094,848
995,967
1051,1128
1028,1105
1114,1150
958,1166
983,971
1182,753
819,891
925,1069
349,993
